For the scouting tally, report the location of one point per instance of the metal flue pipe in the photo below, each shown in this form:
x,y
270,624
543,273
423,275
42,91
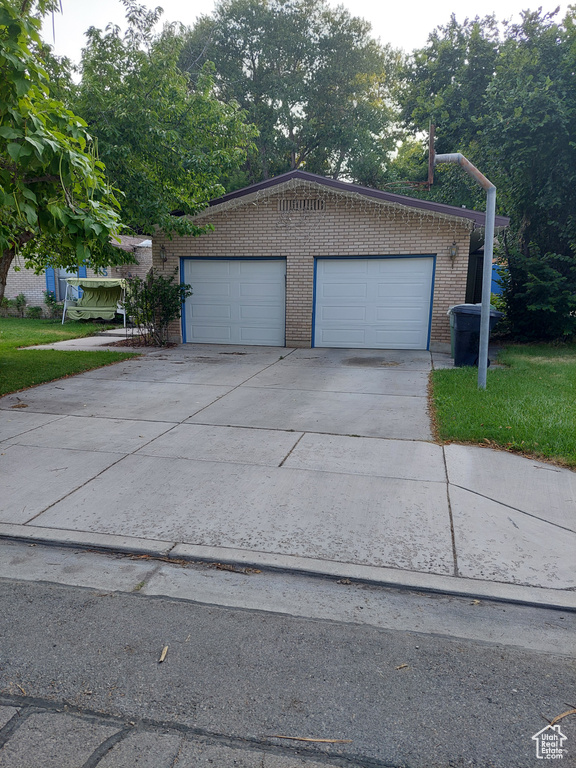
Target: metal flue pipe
x,y
456,157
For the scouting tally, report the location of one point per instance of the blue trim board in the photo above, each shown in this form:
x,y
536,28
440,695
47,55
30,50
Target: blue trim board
x,y
393,256
285,297
232,258
51,280
313,339
183,312
431,300
363,258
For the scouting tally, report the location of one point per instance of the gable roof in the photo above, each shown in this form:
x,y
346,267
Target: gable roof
x,y
477,217
129,242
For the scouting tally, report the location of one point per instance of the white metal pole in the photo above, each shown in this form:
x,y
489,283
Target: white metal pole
x,y
457,157
65,303
486,287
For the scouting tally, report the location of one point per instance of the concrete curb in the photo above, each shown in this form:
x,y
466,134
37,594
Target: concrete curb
x,y
539,597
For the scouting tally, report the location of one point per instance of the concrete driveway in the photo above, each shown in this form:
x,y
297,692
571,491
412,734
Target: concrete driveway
x,y
319,460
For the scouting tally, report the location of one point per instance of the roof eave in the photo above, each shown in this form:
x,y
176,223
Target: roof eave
x,y
477,217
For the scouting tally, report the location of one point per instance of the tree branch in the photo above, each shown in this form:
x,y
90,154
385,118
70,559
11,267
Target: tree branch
x,y
38,179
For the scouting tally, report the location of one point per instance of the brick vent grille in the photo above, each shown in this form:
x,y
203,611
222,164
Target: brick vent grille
x,y
301,205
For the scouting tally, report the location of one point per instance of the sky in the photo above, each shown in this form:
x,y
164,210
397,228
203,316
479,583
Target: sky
x,y
402,24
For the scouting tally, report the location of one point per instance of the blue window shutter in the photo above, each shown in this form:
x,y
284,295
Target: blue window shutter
x,y
51,280
81,273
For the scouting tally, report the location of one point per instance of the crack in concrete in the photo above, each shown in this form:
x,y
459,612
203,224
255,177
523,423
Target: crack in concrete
x,y
452,531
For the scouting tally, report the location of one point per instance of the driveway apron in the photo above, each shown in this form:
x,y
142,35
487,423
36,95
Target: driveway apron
x,y
324,454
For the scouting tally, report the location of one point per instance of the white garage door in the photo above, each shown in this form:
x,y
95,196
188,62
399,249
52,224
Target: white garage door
x,y
373,303
235,301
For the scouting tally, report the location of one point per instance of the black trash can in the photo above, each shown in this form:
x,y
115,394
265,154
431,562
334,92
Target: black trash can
x,y
467,332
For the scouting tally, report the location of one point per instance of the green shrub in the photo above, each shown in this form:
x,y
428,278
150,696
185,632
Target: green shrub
x,y
20,304
54,307
540,294
34,313
153,303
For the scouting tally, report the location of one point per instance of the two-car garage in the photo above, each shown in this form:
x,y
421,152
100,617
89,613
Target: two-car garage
x,y
373,303
300,260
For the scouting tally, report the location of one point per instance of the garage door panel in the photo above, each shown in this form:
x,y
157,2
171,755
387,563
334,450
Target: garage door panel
x,y
346,290
255,269
210,312
259,312
207,270
211,290
405,338
383,303
217,334
257,335
343,313
263,291
343,268
398,315
396,290
243,299
351,338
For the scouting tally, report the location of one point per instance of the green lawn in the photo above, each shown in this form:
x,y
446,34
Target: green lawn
x,y
528,407
24,368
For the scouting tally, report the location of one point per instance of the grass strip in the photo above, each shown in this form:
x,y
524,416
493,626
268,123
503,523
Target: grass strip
x,y
528,407
22,368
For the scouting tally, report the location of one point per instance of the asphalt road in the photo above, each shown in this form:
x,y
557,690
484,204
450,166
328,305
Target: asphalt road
x,y
81,684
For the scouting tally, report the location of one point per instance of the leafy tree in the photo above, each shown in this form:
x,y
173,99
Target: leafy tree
x,y
167,141
518,127
53,192
310,78
529,129
445,82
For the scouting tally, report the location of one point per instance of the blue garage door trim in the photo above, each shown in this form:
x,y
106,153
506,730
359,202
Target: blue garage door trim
x,y
185,259
366,258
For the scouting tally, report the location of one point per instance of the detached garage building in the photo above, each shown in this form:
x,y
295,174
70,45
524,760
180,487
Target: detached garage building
x,y
301,260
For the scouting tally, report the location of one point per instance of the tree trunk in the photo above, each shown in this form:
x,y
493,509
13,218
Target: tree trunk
x,y
8,258
5,261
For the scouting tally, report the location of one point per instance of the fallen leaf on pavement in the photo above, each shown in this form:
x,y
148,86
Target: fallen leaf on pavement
x,y
402,666
563,715
163,654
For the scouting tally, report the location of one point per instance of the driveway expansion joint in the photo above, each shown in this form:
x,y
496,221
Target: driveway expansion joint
x,y
291,450
73,490
514,509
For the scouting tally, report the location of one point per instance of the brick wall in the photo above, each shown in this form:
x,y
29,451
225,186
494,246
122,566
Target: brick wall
x,y
26,282
33,286
348,226
143,258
